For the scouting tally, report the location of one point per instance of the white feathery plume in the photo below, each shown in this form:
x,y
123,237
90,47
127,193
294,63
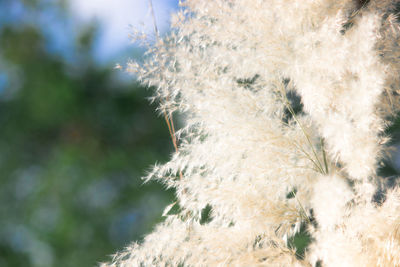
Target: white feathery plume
x,y
285,106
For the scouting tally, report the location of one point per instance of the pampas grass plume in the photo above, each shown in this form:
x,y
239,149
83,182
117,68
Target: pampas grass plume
x,y
285,104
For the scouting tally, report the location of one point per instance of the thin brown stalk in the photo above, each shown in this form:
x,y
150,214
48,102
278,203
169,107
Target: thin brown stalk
x,y
168,118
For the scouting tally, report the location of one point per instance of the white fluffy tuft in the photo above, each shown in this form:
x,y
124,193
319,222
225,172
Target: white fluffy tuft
x,y
285,104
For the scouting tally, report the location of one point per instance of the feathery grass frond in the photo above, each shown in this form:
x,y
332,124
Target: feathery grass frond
x,y
253,169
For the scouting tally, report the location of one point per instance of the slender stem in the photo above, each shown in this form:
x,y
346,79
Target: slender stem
x,y
308,156
289,107
301,206
154,20
324,156
304,131
168,118
171,130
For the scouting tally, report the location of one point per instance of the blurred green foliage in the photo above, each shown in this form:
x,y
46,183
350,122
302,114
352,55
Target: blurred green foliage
x,y
74,142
